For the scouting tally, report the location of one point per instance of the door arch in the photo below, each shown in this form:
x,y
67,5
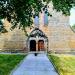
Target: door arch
x,y
37,41
40,45
32,45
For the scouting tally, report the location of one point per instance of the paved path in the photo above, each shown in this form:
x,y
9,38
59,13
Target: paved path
x,y
35,65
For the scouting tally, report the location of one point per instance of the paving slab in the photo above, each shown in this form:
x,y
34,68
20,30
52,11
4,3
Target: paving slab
x,y
35,65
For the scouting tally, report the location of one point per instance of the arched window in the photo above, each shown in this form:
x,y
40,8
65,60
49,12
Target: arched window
x,y
45,19
36,20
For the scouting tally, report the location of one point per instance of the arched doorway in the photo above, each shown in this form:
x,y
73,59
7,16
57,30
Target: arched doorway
x,y
32,45
40,45
37,41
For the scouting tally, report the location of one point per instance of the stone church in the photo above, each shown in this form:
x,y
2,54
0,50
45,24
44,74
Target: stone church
x,y
48,34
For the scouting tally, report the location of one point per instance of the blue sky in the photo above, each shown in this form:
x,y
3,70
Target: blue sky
x,y
72,16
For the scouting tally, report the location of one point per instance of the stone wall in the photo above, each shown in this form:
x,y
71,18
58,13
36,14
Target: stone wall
x,y
12,40
60,36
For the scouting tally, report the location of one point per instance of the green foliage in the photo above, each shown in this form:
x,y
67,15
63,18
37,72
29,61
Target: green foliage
x,y
63,5
2,28
20,12
73,26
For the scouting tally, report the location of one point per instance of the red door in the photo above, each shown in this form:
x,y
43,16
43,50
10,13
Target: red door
x,y
40,45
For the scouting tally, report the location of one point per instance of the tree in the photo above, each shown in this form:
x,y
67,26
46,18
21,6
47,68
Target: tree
x,y
2,29
20,12
73,27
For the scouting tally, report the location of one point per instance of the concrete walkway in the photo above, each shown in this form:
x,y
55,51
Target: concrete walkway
x,y
35,65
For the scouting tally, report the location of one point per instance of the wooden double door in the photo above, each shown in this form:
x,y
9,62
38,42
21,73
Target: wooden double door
x,y
34,46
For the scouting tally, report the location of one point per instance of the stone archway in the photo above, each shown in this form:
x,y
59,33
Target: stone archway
x,y
39,41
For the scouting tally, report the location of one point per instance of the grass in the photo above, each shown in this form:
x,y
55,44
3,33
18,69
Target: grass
x,y
8,62
64,64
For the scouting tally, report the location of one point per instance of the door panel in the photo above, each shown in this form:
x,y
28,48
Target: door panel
x,y
40,45
32,45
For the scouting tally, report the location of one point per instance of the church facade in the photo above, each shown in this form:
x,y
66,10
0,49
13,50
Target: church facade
x,y
48,34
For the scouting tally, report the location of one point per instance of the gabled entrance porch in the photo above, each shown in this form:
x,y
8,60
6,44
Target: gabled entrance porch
x,y
37,41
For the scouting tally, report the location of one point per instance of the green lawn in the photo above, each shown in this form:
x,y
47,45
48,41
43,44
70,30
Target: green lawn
x,y
8,62
64,64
